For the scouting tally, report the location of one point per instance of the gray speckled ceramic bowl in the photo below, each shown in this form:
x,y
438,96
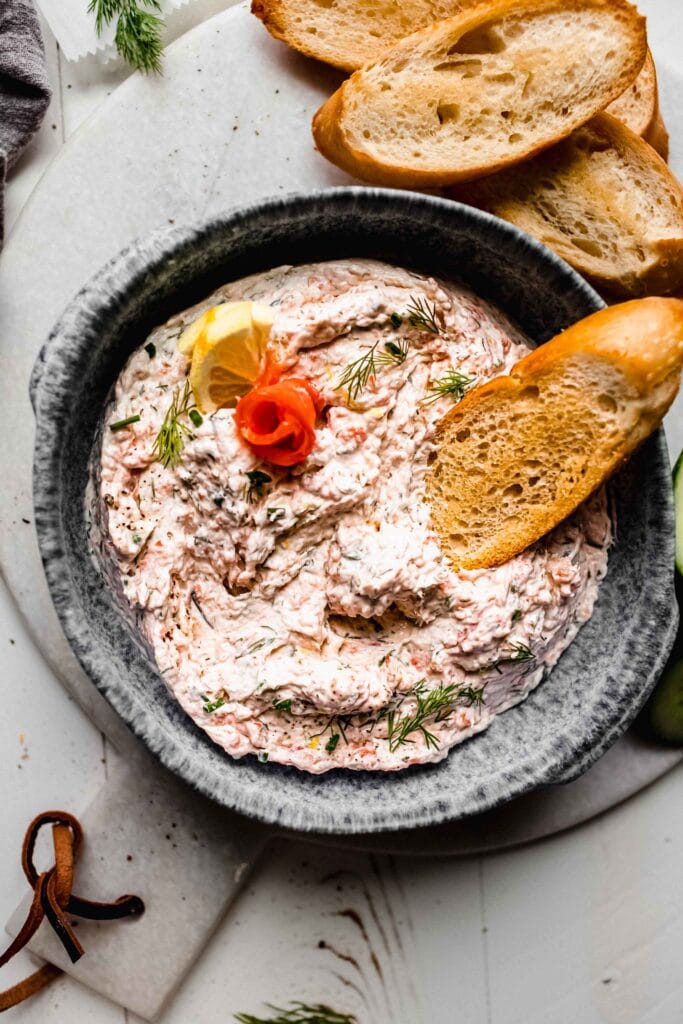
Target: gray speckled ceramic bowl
x,y
567,723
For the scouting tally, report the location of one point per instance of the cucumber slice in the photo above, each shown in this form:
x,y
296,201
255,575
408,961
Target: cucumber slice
x,y
666,706
678,503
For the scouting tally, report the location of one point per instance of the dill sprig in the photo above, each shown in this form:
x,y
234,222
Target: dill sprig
x,y
453,384
138,30
394,353
170,440
299,1013
357,374
333,740
433,706
355,377
423,315
521,652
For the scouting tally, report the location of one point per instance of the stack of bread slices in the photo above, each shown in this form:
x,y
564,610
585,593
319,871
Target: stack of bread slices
x,y
544,112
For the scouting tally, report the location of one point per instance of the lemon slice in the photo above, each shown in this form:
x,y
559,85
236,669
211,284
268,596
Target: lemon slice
x,y
226,345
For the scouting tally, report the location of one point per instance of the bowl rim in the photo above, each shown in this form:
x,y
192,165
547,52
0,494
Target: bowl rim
x,y
117,276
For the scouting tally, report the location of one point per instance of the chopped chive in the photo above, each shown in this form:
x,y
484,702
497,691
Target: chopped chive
x,y
120,424
196,417
331,744
214,705
283,705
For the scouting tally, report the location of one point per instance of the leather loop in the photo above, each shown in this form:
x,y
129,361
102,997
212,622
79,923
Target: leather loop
x,y
53,899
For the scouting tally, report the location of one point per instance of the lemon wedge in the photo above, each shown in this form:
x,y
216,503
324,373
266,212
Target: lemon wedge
x,y
226,345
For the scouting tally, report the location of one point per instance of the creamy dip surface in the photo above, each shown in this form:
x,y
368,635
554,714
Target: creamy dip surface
x,y
312,619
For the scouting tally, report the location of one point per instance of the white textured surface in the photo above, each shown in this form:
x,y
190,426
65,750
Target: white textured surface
x,y
585,927
186,861
73,26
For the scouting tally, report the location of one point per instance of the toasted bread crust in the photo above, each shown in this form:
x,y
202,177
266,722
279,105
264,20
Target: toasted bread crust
x,y
348,50
330,123
657,136
632,353
273,15
638,108
519,194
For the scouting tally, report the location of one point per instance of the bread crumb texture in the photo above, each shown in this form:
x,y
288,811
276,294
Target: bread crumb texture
x,y
604,201
482,90
521,452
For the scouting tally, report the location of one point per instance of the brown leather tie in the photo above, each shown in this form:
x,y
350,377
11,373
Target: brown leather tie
x,y
52,898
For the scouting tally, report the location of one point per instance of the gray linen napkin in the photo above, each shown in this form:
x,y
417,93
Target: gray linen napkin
x,y
24,88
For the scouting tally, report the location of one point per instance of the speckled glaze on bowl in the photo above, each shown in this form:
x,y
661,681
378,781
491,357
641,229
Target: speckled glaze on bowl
x,y
601,681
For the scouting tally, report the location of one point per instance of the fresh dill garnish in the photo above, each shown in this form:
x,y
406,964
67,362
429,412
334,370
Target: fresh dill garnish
x,y
433,706
453,384
196,417
170,440
357,374
521,652
516,615
214,705
331,744
298,1013
137,539
422,315
283,705
121,424
151,349
396,320
257,481
138,31
394,353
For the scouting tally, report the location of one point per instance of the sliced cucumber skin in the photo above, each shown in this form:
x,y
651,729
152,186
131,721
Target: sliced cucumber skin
x,y
666,706
661,720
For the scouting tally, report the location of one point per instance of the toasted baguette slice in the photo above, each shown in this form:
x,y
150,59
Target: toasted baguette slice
x,y
349,33
658,136
482,90
604,201
520,453
638,108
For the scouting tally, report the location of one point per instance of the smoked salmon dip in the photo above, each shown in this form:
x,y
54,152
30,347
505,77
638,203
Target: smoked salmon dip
x,y
305,614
